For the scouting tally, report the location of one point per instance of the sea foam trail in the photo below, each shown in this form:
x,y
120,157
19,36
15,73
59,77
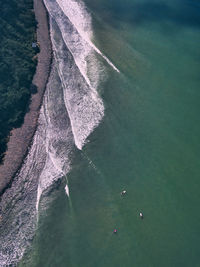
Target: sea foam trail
x,y
80,79
47,161
80,50
58,136
71,109
79,17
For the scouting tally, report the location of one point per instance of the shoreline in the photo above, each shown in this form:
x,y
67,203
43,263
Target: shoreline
x,y
21,138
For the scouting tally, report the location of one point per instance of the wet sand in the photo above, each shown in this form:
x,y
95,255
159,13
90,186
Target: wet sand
x,y
20,139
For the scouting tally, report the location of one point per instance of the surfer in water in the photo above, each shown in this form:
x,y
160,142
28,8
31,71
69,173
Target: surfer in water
x,y
123,193
141,215
114,231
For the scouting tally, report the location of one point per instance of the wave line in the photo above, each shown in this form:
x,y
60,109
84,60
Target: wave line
x,y
82,33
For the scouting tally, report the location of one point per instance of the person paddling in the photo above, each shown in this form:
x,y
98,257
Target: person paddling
x,y
123,193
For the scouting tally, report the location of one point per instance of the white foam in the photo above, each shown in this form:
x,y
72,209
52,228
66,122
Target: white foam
x,y
106,59
80,80
39,193
78,15
58,140
67,190
85,109
81,19
71,94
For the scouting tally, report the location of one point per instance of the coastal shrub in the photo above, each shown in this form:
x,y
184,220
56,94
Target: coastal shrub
x,y
17,64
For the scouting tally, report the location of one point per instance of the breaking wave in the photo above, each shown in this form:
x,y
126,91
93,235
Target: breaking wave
x,y
71,109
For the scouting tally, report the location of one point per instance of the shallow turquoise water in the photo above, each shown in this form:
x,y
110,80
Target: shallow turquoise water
x,y
148,144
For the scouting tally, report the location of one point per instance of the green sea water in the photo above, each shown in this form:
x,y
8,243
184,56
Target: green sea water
x,y
147,144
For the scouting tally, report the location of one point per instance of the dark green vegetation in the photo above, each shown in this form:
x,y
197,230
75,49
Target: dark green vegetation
x,y
17,64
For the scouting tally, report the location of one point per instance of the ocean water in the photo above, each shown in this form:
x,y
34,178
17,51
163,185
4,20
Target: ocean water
x,y
121,112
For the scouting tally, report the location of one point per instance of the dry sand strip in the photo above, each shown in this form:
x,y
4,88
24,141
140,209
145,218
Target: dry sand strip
x,y
21,138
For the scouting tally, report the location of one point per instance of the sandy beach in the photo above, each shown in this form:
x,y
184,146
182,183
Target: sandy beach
x,y
20,139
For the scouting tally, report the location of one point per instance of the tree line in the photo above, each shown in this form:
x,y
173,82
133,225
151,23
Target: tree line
x,y
17,64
